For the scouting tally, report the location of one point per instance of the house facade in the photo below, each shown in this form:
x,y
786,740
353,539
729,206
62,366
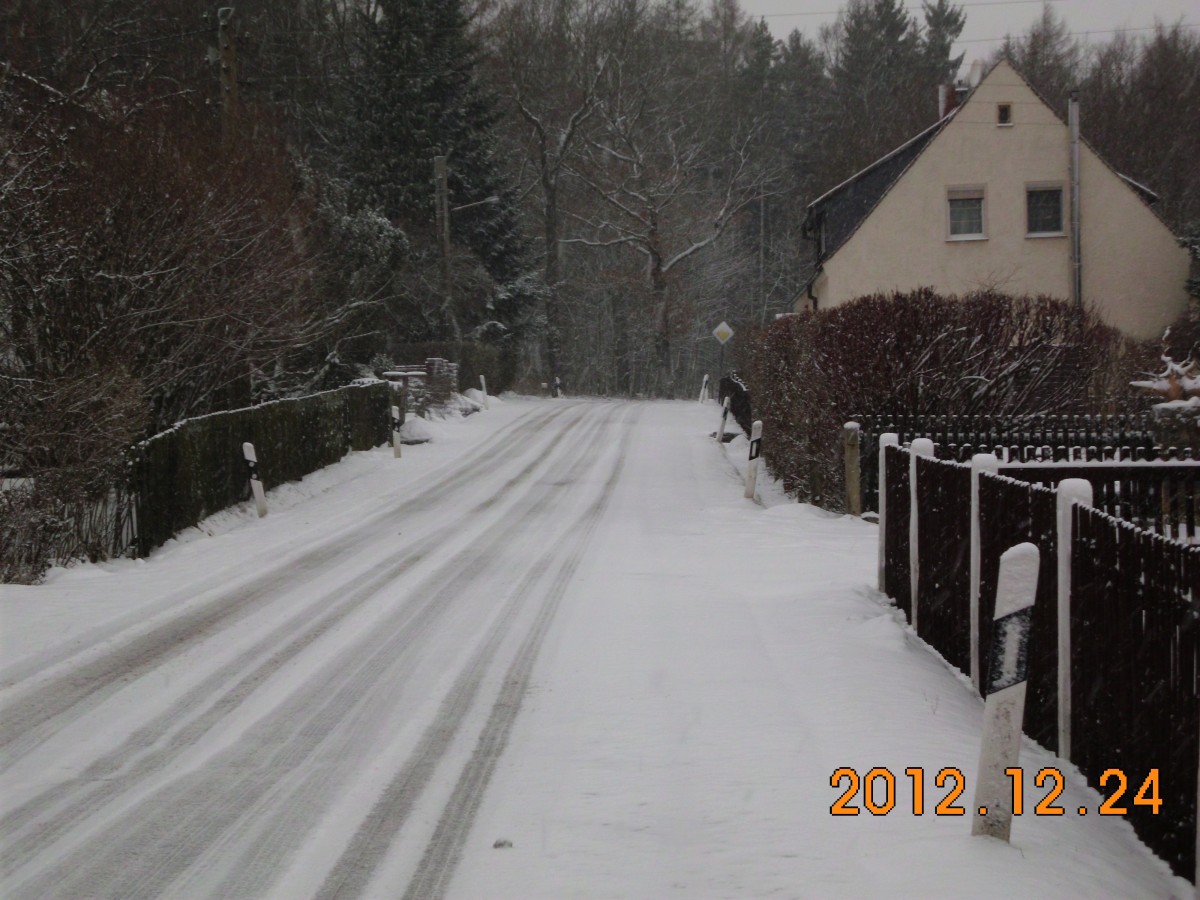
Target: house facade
x,y
982,200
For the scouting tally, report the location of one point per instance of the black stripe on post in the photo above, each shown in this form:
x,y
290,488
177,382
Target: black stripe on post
x,y
1009,659
755,448
253,467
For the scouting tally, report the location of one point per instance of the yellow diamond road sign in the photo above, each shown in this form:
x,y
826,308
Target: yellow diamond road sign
x,y
723,332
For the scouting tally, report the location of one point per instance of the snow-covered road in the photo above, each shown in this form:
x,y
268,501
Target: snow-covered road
x,y
553,654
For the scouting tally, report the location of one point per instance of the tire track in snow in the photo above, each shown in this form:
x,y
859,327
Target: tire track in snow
x,y
154,745
441,855
29,717
352,874
315,713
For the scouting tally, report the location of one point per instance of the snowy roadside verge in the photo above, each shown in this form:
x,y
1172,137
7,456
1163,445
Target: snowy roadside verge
x,y
95,598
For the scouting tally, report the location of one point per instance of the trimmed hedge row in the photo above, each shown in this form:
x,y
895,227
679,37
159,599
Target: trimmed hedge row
x,y
195,469
917,353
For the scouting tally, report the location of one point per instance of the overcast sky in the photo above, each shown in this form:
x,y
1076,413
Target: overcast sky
x,y
988,21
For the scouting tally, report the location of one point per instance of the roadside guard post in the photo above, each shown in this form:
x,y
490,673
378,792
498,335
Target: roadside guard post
x,y
724,419
1004,691
256,486
755,453
396,423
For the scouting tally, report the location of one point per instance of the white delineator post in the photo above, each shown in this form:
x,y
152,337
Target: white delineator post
x,y
396,423
755,453
919,447
885,441
724,419
704,389
980,463
256,486
483,387
1071,491
1004,691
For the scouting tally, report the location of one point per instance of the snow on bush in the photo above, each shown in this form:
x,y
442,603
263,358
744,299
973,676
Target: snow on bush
x,y
916,353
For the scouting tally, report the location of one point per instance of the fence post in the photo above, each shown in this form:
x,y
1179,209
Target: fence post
x,y
980,463
1004,693
396,423
1070,492
755,453
885,440
704,389
724,419
850,443
483,387
256,486
919,447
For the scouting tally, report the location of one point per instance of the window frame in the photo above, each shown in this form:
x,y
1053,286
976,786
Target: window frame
x,y
966,192
1046,187
1001,109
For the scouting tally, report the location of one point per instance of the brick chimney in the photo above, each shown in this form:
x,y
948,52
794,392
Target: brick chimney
x,y
947,99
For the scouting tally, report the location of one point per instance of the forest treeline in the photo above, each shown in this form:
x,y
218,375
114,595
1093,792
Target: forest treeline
x,y
197,216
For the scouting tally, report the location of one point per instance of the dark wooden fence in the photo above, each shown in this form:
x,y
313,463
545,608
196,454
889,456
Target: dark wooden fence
x,y
896,571
1135,601
735,389
1162,497
1024,437
1135,641
944,558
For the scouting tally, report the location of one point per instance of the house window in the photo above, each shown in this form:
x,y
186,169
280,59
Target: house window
x,y
1043,210
1004,114
966,213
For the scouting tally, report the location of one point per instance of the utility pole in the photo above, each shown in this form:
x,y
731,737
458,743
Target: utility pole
x,y
442,206
229,91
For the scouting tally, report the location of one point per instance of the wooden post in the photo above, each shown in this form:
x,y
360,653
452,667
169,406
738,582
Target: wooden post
x,y
755,453
850,446
1004,692
256,485
885,441
919,447
980,463
227,50
1071,491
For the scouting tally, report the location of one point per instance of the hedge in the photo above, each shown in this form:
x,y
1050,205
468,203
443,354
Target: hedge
x,y
195,469
916,353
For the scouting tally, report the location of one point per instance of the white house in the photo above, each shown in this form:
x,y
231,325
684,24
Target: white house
x,y
982,199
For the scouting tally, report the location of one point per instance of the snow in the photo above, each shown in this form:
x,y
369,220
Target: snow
x,y
708,664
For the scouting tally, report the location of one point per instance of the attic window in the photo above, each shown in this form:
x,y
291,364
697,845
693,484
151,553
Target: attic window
x,y
1004,114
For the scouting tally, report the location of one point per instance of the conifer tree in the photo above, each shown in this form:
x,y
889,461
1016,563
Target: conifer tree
x,y
417,96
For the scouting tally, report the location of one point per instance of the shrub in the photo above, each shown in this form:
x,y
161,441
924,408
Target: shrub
x,y
917,353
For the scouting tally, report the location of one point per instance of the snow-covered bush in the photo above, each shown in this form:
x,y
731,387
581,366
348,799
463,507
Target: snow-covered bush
x,y
917,353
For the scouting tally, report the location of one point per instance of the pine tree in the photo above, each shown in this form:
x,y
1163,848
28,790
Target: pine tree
x,y
943,24
417,96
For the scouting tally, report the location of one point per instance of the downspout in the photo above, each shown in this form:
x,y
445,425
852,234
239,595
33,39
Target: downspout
x,y
1076,243
811,296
